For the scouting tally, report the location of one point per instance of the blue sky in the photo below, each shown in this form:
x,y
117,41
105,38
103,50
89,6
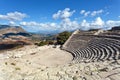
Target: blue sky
x,y
60,15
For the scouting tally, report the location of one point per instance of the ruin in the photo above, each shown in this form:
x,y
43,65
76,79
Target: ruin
x,y
93,45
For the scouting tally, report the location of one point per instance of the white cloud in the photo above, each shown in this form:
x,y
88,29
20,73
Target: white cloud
x,y
91,13
86,13
94,13
82,11
12,23
98,22
32,23
68,24
111,23
39,26
13,16
66,13
84,25
56,15
35,24
64,25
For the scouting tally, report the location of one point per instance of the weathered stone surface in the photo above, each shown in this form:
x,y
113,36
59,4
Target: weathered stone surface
x,y
93,46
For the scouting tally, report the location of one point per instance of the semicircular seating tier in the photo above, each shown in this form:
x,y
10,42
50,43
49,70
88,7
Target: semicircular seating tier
x,y
93,45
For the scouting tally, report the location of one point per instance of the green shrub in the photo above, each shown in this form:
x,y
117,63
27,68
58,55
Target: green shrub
x,y
50,42
17,68
6,63
62,37
36,43
13,64
42,43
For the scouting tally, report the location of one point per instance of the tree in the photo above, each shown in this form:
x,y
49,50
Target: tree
x,y
62,37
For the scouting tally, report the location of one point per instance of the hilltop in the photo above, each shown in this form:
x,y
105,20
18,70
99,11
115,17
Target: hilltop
x,y
10,29
12,36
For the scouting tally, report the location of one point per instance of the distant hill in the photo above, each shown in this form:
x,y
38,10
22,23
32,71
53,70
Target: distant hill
x,y
10,29
13,36
7,30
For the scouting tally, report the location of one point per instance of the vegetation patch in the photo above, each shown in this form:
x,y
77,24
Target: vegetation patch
x,y
62,37
6,63
13,64
17,68
45,42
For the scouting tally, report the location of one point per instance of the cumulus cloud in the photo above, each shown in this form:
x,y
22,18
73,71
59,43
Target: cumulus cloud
x,y
94,13
12,23
32,23
67,24
13,16
86,13
82,11
66,13
57,15
96,24
39,26
111,23
91,13
64,25
84,25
